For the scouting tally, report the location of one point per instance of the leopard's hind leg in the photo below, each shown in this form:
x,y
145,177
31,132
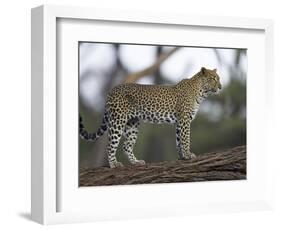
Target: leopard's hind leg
x,y
115,131
131,134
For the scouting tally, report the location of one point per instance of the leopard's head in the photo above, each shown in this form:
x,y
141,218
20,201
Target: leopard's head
x,y
210,80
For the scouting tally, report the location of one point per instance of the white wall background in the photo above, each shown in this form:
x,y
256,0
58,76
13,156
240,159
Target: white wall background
x,y
15,114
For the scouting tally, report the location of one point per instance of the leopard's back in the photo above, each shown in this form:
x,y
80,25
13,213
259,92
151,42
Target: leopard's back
x,y
150,103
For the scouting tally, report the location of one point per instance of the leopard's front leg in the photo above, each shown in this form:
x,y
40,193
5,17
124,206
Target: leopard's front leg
x,y
184,135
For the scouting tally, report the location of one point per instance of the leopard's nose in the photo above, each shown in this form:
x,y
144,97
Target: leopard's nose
x,y
219,86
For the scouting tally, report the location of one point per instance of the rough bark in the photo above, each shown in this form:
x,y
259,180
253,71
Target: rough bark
x,y
228,164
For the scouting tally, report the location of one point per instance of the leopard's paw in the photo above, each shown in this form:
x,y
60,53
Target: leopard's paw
x,y
189,156
139,162
115,164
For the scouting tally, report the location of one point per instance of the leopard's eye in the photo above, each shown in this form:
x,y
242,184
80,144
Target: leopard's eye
x,y
212,80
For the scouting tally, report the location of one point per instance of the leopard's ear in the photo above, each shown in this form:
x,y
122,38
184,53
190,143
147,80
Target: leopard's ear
x,y
203,70
215,70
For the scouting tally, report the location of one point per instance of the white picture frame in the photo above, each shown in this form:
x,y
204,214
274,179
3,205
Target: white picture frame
x,y
49,189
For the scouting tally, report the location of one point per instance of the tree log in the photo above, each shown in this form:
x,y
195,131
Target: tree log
x,y
227,164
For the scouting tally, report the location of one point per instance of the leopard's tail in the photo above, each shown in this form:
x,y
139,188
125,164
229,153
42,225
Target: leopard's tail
x,y
92,136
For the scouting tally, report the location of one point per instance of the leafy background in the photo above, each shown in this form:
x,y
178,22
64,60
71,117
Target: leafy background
x,y
221,119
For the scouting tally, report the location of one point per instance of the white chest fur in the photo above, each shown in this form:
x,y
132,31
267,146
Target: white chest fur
x,y
196,106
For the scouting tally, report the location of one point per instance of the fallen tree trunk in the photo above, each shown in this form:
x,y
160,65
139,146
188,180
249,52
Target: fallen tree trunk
x,y
228,164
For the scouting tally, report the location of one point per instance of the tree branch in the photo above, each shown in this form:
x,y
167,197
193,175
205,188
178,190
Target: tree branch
x,y
133,77
222,165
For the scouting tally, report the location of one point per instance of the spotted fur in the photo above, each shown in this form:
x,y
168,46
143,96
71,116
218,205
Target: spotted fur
x,y
128,104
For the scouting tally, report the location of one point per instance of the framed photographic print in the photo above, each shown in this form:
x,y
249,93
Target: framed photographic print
x,y
139,115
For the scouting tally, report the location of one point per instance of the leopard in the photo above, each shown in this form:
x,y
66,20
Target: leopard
x,y
129,104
